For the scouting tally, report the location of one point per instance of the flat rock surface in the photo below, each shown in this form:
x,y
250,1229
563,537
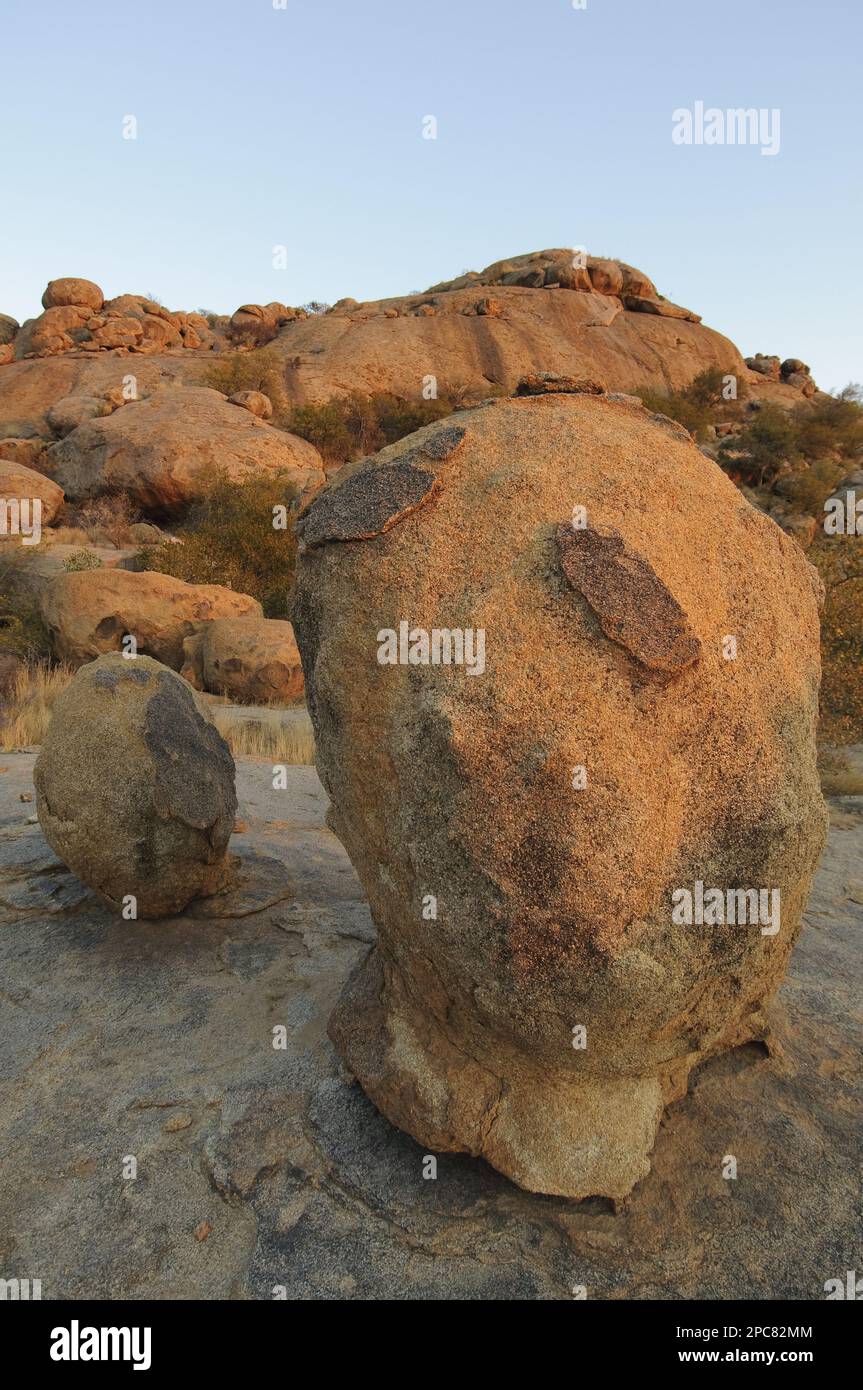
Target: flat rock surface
x,y
154,1042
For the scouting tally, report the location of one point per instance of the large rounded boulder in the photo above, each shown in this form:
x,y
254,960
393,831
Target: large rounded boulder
x,y
165,450
72,291
252,660
89,612
564,684
25,484
135,787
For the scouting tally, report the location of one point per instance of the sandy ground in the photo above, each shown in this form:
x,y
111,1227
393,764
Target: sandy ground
x,y
154,1142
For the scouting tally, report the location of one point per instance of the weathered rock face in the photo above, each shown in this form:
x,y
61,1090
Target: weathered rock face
x,y
527,824
163,451
135,786
20,482
90,612
253,660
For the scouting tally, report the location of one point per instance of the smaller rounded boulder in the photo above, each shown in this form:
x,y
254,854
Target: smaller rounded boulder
x,y
72,291
135,787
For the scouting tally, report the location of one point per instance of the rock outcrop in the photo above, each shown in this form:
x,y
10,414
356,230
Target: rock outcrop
x,y
252,660
135,787
90,612
540,742
164,450
477,333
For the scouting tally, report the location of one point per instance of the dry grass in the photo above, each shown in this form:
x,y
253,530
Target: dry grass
x,y
841,771
27,706
291,743
26,709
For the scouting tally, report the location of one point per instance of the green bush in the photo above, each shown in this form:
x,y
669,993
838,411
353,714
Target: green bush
x,y
757,454
831,425
229,538
699,404
349,427
81,560
23,632
262,369
839,560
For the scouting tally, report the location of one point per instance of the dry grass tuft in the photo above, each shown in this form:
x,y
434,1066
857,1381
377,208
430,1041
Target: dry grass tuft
x,y
291,743
841,770
27,707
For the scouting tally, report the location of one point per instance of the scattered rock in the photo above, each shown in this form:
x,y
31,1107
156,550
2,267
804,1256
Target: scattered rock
x,y
91,611
548,384
8,329
252,660
72,411
254,401
764,365
135,787
29,453
163,451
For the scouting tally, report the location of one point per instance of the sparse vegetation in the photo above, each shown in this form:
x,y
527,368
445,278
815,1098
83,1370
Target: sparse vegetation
x,y
228,538
23,632
700,404
29,703
262,369
291,742
839,560
349,427
81,560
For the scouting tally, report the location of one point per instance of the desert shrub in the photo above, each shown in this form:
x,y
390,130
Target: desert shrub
x,y
291,742
698,405
758,453
831,425
23,632
229,538
81,560
839,560
349,427
262,369
109,515
807,489
29,703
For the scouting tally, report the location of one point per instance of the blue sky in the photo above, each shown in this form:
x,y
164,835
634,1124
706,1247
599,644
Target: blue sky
x,y
302,127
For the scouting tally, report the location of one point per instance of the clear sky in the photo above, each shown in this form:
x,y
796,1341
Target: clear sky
x,y
302,126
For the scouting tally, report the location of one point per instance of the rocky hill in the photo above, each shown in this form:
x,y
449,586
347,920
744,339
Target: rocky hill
x,y
477,333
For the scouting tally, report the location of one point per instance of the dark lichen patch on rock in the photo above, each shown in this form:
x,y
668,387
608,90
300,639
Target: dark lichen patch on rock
x,y
444,444
369,502
634,606
192,762
549,384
